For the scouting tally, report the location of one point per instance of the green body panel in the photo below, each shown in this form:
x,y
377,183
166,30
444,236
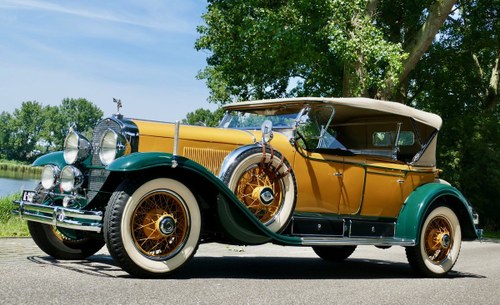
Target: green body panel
x,y
416,207
238,221
55,158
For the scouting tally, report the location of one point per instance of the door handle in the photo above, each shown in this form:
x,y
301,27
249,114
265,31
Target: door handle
x,y
337,174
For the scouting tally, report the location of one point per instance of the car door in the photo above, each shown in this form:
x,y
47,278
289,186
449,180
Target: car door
x,y
318,181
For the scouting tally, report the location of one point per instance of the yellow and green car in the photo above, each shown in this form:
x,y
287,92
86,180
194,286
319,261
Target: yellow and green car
x,y
326,173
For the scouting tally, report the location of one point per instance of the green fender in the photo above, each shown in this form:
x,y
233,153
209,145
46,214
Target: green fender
x,y
54,158
235,217
416,206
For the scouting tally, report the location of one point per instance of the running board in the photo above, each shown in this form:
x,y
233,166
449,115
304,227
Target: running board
x,y
345,241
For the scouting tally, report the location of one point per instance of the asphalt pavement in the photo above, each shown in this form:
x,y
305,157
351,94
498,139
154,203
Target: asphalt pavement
x,y
266,274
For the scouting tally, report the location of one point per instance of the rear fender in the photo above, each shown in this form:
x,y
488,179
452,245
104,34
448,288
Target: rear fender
x,y
422,199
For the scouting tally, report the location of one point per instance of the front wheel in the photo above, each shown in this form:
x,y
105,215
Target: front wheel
x,y
152,228
60,244
439,245
334,253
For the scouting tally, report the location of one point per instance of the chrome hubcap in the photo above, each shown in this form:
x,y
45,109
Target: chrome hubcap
x,y
166,225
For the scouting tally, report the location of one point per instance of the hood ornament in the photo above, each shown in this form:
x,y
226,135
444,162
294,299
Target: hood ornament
x,y
118,106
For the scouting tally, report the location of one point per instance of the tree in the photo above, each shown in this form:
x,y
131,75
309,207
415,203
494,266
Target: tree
x,y
23,131
438,55
5,134
80,114
34,128
458,79
204,117
265,48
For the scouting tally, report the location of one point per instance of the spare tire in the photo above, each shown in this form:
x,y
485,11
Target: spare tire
x,y
263,180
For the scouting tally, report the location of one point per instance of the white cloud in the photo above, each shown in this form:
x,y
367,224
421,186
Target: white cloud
x,y
163,20
139,51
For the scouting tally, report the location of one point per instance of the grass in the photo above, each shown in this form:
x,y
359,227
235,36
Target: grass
x,y
10,225
16,169
492,234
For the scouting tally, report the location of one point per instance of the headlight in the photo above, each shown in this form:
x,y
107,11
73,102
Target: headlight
x,y
113,145
76,147
49,176
71,178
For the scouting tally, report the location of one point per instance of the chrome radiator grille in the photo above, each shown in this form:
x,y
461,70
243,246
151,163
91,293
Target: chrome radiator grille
x,y
97,177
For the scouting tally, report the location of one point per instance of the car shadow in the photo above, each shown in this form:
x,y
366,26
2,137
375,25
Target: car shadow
x,y
267,268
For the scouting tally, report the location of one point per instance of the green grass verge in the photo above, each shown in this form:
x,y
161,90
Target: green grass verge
x,y
10,225
14,227
493,235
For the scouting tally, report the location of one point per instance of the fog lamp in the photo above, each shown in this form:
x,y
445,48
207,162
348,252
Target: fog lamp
x,y
71,178
49,176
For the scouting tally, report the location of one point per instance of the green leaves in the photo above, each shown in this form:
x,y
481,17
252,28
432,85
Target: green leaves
x,y
34,129
265,49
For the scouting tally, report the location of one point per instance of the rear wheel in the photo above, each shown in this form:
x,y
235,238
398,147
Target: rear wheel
x,y
152,228
59,244
439,244
334,253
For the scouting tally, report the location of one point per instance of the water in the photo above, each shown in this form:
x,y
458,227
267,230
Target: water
x,y
9,186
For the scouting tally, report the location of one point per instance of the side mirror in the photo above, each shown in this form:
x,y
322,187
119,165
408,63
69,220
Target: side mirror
x,y
267,131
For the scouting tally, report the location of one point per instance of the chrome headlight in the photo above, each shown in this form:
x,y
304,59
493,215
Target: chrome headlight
x,y
71,178
49,176
113,145
76,147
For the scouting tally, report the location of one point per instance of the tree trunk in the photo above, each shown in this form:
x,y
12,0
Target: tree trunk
x,y
492,96
419,44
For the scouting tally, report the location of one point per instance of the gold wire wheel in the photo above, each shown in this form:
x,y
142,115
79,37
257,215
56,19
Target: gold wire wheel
x,y
254,185
438,239
160,224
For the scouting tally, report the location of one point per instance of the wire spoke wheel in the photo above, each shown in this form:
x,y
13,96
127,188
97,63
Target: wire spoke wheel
x,y
439,244
60,244
152,227
264,182
249,189
160,224
438,241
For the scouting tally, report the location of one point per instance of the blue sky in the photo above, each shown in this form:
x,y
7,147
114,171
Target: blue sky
x,y
141,52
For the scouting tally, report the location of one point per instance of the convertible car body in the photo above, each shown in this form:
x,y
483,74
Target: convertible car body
x,y
328,173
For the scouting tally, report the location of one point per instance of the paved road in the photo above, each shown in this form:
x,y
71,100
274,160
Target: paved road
x,y
267,274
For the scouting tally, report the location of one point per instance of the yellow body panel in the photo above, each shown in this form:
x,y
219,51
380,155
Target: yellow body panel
x,y
326,183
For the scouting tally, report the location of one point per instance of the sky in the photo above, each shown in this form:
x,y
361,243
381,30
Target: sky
x,y
141,52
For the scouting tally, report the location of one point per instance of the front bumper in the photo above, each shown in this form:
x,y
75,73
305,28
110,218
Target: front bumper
x,y
59,216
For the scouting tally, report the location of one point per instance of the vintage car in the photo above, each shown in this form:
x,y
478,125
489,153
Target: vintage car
x,y
327,173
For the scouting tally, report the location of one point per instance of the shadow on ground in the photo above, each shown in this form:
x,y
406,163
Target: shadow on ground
x,y
255,268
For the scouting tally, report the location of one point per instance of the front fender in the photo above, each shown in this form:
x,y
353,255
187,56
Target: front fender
x,y
140,161
417,205
238,221
54,158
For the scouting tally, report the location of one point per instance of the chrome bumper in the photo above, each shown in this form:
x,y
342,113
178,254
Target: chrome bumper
x,y
59,216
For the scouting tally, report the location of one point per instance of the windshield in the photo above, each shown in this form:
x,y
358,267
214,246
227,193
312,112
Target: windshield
x,y
253,121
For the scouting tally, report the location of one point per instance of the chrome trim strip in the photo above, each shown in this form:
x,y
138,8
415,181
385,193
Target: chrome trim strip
x,y
344,241
232,156
59,216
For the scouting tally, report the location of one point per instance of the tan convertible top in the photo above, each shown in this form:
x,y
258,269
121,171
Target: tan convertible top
x,y
378,106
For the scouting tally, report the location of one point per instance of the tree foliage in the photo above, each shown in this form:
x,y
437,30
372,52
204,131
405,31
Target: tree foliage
x,y
204,117
438,55
33,128
265,48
